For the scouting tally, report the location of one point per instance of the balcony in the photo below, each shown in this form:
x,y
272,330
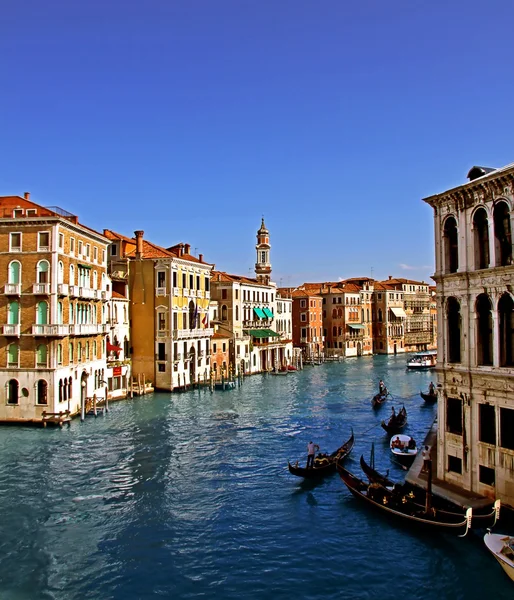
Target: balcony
x,y
162,333
41,289
85,292
187,334
87,328
13,330
51,330
160,291
74,291
12,289
62,289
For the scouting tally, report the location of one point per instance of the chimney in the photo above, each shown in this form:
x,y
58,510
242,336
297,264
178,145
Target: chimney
x,y
390,277
139,243
26,195
200,257
180,249
187,248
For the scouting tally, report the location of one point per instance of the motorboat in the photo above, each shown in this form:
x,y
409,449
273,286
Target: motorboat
x,y
502,548
403,446
423,360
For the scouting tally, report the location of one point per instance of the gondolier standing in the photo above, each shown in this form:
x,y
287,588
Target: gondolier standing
x,y
311,453
381,387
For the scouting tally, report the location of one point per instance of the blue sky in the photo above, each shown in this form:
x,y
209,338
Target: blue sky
x,y
192,119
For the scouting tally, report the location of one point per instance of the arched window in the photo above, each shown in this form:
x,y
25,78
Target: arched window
x,y
42,313
13,313
87,351
60,273
42,392
72,274
481,239
95,348
60,391
334,331
454,330
79,351
451,245
340,313
41,355
506,318
95,280
334,313
13,392
70,351
43,272
70,389
14,274
12,355
380,314
59,313
484,320
502,234
367,315
65,390
59,354
224,313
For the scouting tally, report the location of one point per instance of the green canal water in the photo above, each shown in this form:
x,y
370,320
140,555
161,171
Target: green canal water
x,y
188,496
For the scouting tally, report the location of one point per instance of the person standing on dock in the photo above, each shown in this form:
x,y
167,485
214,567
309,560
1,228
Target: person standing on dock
x,y
426,459
311,453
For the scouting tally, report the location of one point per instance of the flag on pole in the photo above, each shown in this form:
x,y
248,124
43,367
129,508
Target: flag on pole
x,y
205,320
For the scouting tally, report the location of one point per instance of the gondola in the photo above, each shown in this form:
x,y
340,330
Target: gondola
x,y
395,504
379,398
418,496
396,422
431,398
326,465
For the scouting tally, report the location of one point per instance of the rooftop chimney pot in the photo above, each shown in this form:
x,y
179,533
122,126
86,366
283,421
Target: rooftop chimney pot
x,y
26,195
200,257
139,243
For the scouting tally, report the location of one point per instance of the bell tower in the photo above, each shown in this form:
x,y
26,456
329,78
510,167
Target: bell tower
x,y
263,265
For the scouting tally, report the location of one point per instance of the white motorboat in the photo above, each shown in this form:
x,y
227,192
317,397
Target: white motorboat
x,y
423,360
403,446
502,547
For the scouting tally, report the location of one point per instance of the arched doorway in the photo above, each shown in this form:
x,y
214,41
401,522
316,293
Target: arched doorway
x,y
192,365
83,392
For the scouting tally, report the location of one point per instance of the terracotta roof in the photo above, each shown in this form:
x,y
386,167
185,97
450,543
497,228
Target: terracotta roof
x,y
219,336
304,294
402,281
117,295
151,251
221,276
113,235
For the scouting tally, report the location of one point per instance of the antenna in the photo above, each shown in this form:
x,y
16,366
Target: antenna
x,y
196,251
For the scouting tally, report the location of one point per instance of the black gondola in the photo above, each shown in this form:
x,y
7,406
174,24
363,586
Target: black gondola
x,y
379,399
418,497
431,398
396,422
395,504
326,465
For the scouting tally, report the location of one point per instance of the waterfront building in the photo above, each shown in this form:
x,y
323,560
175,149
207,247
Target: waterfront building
x,y
388,318
247,310
169,292
418,326
52,310
118,372
307,319
474,282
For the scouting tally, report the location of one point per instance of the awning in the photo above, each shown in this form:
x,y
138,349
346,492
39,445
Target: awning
x,y
356,325
113,348
262,333
259,313
268,312
84,266
398,312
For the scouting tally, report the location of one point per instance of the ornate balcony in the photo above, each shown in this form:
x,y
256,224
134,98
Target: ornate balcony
x,y
51,330
187,334
41,289
13,330
12,289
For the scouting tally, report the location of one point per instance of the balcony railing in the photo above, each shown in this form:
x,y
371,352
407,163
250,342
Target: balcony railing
x,y
51,330
187,334
62,289
85,292
13,289
87,328
160,291
41,288
11,330
74,290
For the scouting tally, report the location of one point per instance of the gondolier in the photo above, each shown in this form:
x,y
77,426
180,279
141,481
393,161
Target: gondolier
x,y
312,448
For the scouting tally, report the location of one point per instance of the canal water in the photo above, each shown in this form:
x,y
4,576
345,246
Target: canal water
x,y
188,496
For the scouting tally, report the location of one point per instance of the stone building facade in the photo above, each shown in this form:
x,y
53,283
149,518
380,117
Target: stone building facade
x,y
52,310
474,285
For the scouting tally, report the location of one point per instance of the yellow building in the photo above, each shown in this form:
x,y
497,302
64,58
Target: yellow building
x,y
169,292
52,310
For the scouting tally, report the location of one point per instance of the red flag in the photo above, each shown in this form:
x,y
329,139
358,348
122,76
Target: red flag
x,y
205,320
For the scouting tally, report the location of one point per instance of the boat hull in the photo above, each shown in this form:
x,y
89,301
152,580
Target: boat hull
x,y
495,542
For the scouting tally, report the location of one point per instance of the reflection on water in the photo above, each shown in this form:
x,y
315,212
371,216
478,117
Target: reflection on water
x,y
189,496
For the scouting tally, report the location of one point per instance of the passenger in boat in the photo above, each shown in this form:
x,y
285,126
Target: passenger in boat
x,y
397,443
431,389
312,448
426,459
412,444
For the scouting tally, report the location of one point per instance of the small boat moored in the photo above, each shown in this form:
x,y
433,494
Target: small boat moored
x,y
502,548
